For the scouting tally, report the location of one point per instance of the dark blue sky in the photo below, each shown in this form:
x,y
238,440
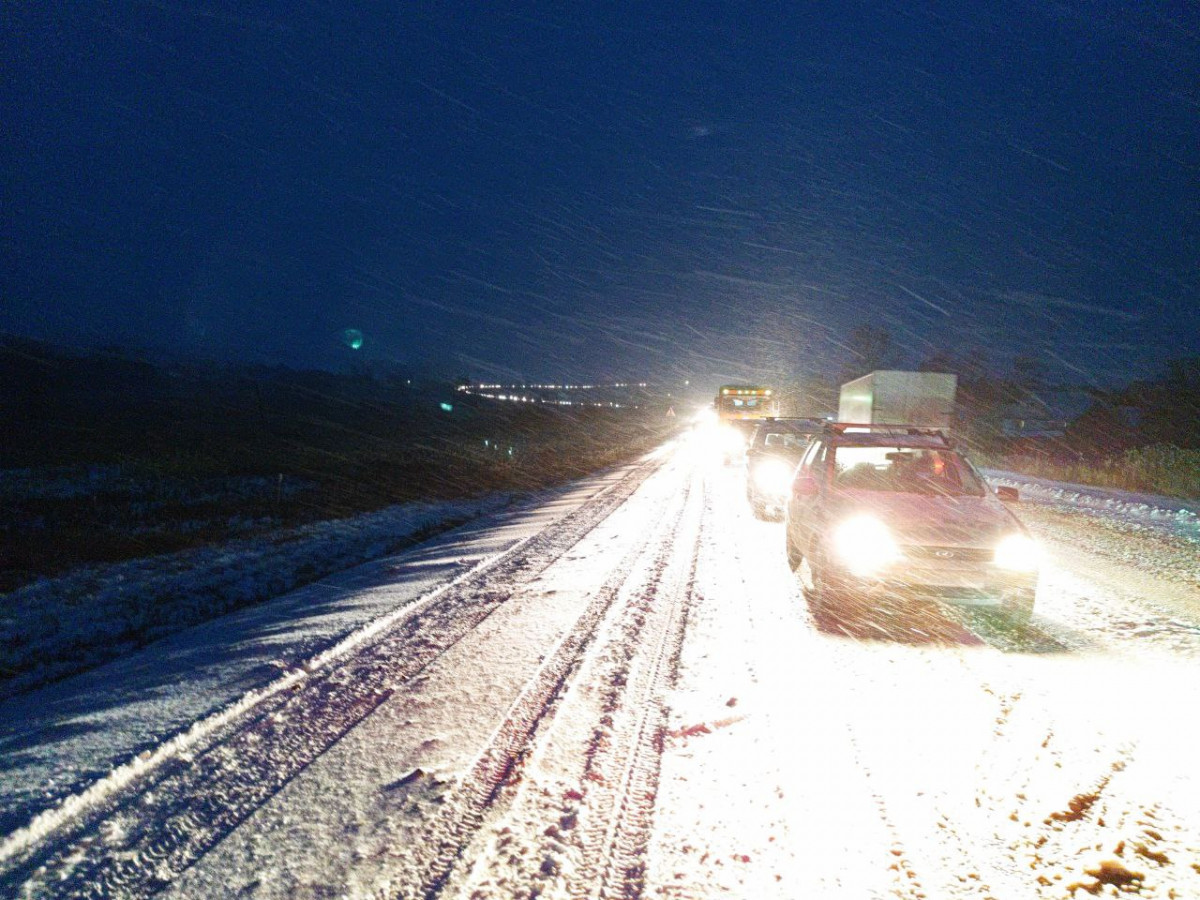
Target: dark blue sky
x,y
630,191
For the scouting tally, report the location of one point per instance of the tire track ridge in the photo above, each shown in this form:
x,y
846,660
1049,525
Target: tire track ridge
x,y
621,776
496,767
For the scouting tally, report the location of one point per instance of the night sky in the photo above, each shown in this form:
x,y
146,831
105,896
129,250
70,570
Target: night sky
x,y
641,191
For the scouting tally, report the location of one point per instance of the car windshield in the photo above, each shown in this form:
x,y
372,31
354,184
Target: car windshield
x,y
903,470
783,440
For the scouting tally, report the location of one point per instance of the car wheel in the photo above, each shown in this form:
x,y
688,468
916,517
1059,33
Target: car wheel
x,y
826,589
794,556
1018,607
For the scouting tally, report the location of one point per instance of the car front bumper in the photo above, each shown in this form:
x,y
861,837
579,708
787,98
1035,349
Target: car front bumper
x,y
965,584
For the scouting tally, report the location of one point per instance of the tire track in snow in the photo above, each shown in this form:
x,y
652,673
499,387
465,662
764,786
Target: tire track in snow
x,y
578,821
429,870
623,764
135,837
752,632
751,819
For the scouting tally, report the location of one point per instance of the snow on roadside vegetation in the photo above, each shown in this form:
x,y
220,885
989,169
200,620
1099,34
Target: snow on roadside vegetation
x,y
75,482
1167,515
59,626
1121,532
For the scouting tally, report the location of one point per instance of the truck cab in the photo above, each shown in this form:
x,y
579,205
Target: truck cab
x,y
739,408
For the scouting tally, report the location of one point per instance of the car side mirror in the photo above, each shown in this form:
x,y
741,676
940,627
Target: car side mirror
x,y
804,486
1008,494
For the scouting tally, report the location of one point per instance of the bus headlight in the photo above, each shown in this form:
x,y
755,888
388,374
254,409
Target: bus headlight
x,y
773,477
1018,553
864,545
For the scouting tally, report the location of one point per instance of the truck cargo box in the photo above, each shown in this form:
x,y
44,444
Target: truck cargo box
x,y
890,397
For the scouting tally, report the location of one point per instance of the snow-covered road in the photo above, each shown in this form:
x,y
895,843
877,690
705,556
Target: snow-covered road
x,y
623,694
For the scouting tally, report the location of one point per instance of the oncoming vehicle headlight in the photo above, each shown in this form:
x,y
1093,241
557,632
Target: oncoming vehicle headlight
x,y
773,477
732,440
1018,553
864,545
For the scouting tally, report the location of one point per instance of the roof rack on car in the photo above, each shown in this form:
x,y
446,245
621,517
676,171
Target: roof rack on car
x,y
889,430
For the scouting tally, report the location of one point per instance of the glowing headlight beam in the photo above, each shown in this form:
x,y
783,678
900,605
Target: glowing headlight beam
x,y
864,545
773,477
1018,553
732,440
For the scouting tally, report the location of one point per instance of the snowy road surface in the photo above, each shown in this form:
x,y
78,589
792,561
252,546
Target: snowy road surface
x,y
624,694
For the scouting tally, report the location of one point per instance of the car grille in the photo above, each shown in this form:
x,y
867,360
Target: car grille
x,y
951,554
961,594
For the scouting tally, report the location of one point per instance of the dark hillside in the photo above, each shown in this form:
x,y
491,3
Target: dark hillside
x,y
111,456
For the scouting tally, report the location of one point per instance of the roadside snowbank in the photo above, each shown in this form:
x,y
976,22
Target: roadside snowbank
x,y
1169,515
59,626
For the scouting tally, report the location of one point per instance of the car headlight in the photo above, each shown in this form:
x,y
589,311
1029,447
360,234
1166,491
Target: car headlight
x,y
1018,553
864,545
773,477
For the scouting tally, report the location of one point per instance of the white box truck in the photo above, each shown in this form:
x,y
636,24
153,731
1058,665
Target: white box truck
x,y
887,397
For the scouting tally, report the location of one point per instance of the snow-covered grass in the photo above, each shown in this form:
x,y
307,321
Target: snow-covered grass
x,y
57,626
1170,515
137,483
1160,468
56,518
208,489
